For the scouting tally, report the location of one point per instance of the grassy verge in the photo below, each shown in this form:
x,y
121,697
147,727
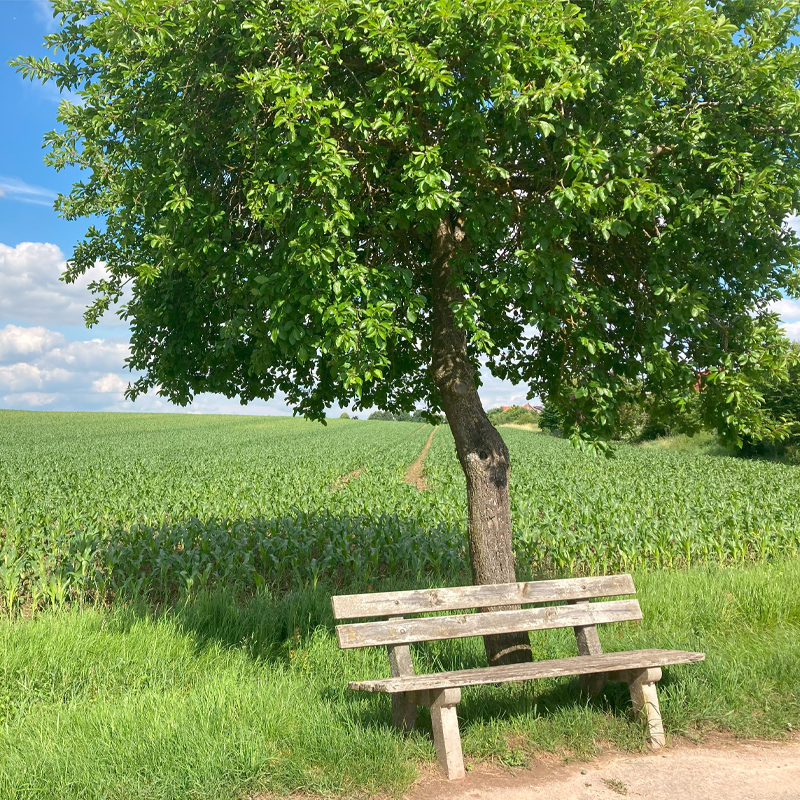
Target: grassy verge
x,y
218,699
703,443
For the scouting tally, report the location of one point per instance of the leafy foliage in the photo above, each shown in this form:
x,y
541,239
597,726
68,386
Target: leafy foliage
x,y
269,176
551,418
782,403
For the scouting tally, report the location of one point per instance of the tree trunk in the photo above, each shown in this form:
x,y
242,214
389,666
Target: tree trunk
x,y
481,451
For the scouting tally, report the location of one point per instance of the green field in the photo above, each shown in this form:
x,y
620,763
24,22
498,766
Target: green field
x,y
165,580
162,506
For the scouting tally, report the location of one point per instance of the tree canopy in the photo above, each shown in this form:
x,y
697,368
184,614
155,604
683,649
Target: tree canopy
x,y
270,177
355,201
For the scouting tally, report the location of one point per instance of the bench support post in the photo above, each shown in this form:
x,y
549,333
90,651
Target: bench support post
x,y
404,704
642,685
446,735
589,645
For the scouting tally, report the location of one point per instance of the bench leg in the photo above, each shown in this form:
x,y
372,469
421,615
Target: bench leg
x,y
446,736
642,685
589,645
404,711
592,684
645,701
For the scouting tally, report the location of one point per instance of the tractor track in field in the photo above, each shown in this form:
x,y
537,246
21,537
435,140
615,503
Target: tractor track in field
x,y
415,474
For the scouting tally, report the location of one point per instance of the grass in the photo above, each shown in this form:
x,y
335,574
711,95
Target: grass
x,y
219,699
95,506
525,426
701,443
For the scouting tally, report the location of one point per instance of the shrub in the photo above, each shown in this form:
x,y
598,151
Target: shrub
x,y
516,415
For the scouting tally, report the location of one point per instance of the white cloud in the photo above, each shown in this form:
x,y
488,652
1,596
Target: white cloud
x,y
31,290
41,368
110,384
25,400
787,309
494,392
15,189
23,377
793,331
17,341
93,356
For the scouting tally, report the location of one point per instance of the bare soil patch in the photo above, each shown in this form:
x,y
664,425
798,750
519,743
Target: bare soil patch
x,y
415,474
342,481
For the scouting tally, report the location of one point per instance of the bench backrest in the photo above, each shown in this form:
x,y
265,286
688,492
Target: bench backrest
x,y
400,631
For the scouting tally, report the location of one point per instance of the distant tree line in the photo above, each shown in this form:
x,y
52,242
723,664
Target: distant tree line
x,y
513,415
418,415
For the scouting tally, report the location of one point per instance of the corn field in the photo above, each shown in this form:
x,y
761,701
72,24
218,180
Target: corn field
x,y
99,506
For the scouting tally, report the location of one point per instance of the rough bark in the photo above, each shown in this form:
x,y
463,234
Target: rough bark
x,y
481,451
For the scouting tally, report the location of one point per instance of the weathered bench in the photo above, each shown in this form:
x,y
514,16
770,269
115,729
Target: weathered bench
x,y
640,669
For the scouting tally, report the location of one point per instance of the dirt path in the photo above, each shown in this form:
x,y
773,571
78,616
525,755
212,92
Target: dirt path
x,y
525,426
416,472
724,770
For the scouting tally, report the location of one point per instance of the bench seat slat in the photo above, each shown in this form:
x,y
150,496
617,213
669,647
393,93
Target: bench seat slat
x,y
576,665
422,601
426,629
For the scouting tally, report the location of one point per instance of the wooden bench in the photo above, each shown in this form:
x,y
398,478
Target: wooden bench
x,y
640,669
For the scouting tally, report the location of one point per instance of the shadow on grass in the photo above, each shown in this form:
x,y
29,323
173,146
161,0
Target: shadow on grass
x,y
288,623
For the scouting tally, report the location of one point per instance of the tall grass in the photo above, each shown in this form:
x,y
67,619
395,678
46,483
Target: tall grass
x,y
218,699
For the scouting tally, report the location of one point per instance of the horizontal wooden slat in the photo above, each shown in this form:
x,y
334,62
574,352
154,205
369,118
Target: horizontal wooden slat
x,y
427,629
421,601
577,665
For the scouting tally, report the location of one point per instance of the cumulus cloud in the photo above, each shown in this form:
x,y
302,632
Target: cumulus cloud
x,y
24,377
110,384
31,292
40,368
34,400
787,309
17,341
494,392
789,312
793,331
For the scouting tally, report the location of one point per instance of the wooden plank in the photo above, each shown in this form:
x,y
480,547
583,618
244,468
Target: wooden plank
x,y
422,601
427,629
576,665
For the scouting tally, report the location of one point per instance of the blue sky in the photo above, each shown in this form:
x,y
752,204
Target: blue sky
x,y
48,359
